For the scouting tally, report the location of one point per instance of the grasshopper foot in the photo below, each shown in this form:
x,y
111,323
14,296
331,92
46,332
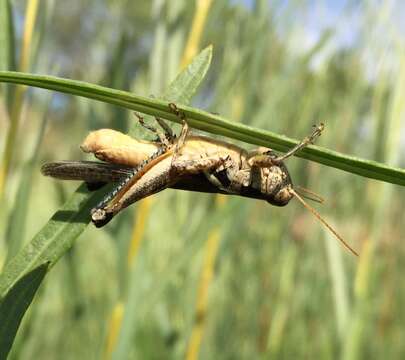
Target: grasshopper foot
x,y
100,217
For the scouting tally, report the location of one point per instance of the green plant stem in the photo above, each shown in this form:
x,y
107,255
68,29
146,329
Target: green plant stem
x,y
211,123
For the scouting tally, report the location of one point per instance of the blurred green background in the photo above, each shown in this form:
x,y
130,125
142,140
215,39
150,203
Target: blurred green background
x,y
187,275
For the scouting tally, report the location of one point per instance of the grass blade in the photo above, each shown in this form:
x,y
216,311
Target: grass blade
x,y
53,240
14,305
24,273
18,96
184,86
18,216
7,60
7,51
211,123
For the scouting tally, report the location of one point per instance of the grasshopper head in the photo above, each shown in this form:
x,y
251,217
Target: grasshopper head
x,y
272,179
276,185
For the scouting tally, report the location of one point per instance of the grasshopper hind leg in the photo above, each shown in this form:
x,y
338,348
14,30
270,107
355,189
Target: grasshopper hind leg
x,y
100,217
102,213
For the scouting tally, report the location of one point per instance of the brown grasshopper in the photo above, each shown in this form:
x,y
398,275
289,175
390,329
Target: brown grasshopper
x,y
188,162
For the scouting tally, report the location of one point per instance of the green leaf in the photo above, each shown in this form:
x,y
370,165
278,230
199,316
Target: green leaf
x,y
17,219
15,304
18,216
211,123
184,86
22,275
54,239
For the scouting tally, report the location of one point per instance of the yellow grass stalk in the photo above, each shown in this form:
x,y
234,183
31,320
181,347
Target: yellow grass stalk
x,y
197,27
211,250
114,329
141,217
115,323
142,213
30,18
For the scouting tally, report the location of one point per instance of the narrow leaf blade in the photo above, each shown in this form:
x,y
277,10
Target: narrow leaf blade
x,y
6,36
184,86
54,239
14,305
211,123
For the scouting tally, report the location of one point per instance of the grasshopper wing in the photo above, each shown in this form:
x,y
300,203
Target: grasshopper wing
x,y
88,171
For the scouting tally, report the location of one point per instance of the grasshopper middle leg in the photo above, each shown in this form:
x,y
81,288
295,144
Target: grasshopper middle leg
x,y
197,165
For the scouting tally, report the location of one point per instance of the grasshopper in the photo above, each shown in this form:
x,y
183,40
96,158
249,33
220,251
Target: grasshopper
x,y
189,162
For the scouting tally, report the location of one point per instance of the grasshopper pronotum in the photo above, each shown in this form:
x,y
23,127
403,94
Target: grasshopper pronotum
x,y
190,162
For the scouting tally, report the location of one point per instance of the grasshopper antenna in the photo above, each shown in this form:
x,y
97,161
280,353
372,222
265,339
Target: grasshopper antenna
x,y
308,194
330,228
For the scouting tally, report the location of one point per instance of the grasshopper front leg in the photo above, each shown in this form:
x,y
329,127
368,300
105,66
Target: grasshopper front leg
x,y
266,158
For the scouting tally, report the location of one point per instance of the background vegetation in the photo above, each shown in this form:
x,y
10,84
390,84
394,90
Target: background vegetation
x,y
193,275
